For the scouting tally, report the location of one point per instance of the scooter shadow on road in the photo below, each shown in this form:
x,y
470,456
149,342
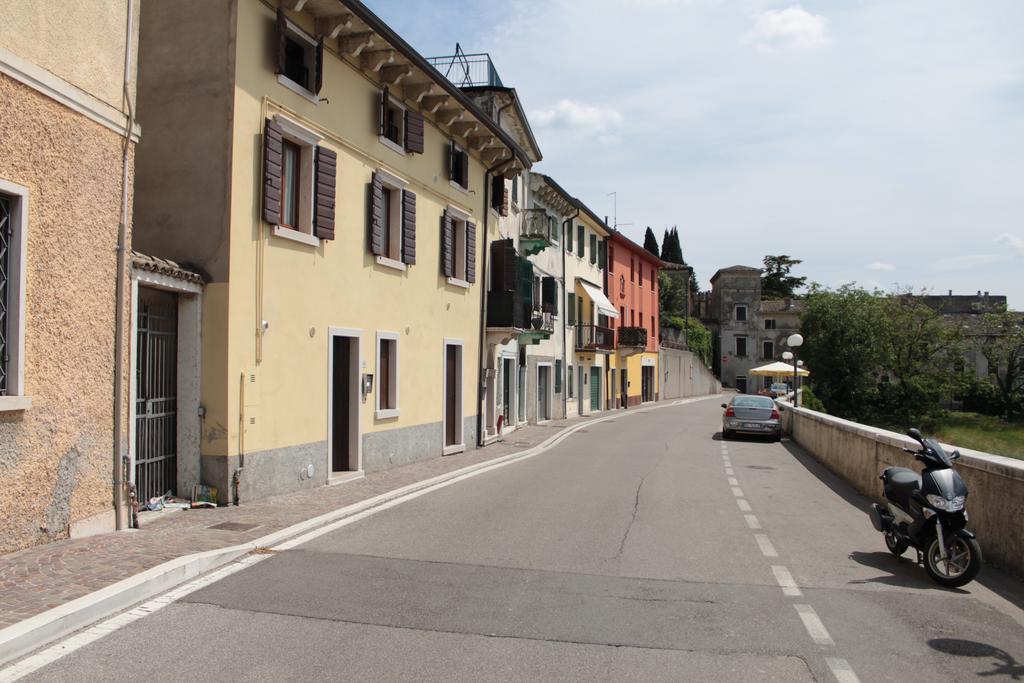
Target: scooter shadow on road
x,y
1002,584
1004,665
903,572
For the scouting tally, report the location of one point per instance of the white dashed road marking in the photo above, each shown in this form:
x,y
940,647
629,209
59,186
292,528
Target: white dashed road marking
x,y
841,670
733,482
815,629
752,521
744,505
737,491
786,581
728,470
767,549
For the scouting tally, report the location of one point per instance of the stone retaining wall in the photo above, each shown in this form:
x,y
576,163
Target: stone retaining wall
x,y
858,453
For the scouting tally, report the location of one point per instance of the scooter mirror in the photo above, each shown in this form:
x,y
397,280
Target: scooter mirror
x,y
915,434
955,455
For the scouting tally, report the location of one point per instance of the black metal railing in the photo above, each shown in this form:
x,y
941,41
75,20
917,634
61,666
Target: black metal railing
x,y
593,337
542,322
467,71
6,234
633,336
537,225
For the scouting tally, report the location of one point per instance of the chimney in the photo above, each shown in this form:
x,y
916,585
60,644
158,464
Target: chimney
x,y
979,292
951,292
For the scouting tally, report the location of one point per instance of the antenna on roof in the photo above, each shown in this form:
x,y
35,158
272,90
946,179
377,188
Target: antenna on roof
x,y
615,208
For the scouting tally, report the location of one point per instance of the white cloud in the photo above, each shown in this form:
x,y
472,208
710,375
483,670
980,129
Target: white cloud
x,y
790,28
880,265
1011,242
578,116
968,261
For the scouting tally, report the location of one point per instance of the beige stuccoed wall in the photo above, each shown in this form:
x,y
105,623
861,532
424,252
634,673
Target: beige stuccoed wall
x,y
859,453
55,457
81,41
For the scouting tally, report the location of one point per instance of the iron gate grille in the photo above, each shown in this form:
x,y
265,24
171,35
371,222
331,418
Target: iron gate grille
x,y
6,233
156,398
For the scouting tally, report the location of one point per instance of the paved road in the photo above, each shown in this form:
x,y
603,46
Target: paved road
x,y
624,553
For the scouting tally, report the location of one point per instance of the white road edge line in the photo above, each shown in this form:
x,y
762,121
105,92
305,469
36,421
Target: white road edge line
x,y
111,624
842,670
815,629
752,521
786,582
744,505
767,549
90,635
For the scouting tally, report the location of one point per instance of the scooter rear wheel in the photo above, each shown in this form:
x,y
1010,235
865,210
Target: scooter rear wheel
x,y
962,563
895,545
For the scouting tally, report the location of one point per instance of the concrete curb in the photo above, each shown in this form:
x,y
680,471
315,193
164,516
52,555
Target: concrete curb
x,y
37,631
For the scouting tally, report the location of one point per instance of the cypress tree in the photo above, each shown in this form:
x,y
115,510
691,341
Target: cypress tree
x,y
650,241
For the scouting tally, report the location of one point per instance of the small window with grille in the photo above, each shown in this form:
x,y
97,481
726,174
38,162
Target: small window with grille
x,y
13,235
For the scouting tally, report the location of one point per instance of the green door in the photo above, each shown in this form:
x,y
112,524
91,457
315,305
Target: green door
x,y
595,388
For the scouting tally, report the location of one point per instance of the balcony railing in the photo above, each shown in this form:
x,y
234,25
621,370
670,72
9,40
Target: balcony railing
x,y
536,232
542,322
467,71
594,337
633,337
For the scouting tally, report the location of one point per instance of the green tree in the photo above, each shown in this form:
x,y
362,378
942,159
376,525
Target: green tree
x,y
671,252
698,336
776,282
671,295
1002,346
650,241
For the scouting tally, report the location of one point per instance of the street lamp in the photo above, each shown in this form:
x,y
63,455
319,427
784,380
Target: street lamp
x,y
788,356
795,341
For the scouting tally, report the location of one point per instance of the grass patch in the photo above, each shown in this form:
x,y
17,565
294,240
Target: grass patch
x,y
980,433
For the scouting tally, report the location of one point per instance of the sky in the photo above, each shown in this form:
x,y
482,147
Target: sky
x,y
880,141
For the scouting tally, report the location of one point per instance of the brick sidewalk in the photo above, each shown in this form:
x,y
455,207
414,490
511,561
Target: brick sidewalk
x,y
40,578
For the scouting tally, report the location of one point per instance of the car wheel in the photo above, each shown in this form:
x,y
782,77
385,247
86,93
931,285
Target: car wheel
x,y
727,433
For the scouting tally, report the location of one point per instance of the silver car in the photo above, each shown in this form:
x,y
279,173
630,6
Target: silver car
x,y
751,415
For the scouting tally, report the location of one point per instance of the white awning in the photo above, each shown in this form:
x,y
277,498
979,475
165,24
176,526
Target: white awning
x,y
600,300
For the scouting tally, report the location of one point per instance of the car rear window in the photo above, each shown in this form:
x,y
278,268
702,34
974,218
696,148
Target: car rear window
x,y
752,402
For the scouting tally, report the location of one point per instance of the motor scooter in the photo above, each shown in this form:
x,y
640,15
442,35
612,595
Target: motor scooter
x,y
927,512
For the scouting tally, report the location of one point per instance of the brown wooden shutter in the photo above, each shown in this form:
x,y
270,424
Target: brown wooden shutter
x,y
503,266
319,80
326,184
272,139
504,202
497,187
377,245
452,161
413,132
282,40
464,161
408,227
447,245
549,294
470,252
384,97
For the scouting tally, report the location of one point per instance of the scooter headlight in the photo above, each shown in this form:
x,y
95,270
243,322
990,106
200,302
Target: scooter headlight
x,y
940,503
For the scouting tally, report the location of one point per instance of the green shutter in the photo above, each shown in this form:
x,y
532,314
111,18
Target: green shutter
x,y
568,237
525,270
571,310
558,375
593,248
602,249
580,245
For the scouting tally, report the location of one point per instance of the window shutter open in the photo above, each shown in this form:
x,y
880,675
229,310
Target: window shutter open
x,y
408,227
497,187
570,310
602,259
447,245
558,375
580,243
504,202
452,160
377,245
272,140
464,169
593,248
413,132
383,113
326,182
470,252
549,294
319,72
282,40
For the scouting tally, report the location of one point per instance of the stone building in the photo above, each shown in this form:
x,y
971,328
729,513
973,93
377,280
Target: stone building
x,y
747,330
67,84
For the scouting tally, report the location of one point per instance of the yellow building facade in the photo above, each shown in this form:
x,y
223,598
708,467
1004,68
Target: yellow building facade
x,y
342,310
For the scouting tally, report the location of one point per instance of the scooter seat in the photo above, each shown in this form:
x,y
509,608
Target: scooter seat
x,y
899,483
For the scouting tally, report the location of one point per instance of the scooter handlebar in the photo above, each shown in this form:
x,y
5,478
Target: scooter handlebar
x,y
910,450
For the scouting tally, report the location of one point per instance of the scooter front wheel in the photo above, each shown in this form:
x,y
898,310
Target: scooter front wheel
x,y
962,563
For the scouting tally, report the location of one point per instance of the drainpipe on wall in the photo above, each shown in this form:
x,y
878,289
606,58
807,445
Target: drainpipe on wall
x,y
122,265
565,324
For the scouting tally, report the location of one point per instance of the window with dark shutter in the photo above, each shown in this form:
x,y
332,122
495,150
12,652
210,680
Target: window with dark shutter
x,y
447,245
602,260
377,216
326,184
503,266
318,81
504,201
593,249
568,237
471,252
408,227
549,294
570,310
272,149
458,165
413,132
581,246
497,192
558,375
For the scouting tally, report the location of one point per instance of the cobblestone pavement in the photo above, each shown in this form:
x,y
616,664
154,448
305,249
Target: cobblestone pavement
x,y
40,578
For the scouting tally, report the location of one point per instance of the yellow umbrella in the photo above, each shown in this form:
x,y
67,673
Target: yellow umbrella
x,y
777,369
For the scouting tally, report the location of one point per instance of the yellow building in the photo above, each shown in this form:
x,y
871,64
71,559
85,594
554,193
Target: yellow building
x,y
67,89
332,188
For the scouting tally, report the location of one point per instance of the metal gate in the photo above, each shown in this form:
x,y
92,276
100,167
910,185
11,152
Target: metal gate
x,y
156,394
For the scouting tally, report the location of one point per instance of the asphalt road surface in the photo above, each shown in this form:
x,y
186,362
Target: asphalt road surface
x,y
642,548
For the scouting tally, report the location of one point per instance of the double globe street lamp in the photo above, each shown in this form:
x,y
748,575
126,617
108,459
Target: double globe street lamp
x,y
794,342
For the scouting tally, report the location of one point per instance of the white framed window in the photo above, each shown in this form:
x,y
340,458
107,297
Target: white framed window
x,y
299,58
298,175
393,216
459,221
393,124
458,167
387,375
13,266
741,314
